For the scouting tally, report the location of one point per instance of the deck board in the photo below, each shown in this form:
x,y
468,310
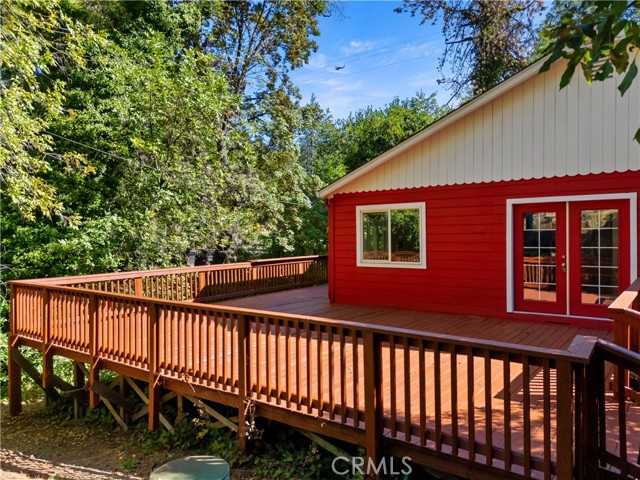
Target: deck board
x,y
313,301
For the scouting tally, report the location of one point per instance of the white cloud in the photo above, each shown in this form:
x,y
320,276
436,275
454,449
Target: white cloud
x,y
359,46
317,61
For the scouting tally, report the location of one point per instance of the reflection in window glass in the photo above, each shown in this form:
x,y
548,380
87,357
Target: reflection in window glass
x,y
599,256
539,256
375,235
405,235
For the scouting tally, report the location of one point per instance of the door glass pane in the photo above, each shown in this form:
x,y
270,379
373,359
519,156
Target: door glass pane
x,y
599,256
539,256
405,235
375,228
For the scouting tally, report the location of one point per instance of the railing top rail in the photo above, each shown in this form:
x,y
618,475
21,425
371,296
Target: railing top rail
x,y
578,355
621,352
625,299
97,277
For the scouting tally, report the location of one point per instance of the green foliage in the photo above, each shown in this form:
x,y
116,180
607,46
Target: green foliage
x,y
370,132
599,37
37,40
486,41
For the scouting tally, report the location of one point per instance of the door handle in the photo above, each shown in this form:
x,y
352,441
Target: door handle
x,y
564,267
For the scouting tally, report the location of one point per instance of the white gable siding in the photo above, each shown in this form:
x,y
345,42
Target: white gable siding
x,y
532,130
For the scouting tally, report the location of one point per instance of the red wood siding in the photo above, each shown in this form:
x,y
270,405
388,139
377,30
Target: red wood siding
x,y
466,244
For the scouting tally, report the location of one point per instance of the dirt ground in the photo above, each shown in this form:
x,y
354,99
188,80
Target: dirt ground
x,y
39,444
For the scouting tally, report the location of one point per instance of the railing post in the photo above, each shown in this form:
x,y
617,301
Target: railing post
x,y
244,328
15,371
564,419
94,370
594,395
47,356
373,415
152,360
137,287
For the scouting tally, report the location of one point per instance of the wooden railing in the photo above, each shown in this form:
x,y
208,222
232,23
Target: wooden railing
x,y
625,311
459,404
207,282
605,412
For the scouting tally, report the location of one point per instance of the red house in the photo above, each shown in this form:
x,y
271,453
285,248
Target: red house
x,y
522,203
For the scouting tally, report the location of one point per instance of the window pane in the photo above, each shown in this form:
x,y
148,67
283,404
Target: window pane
x,y
599,274
539,255
405,235
375,235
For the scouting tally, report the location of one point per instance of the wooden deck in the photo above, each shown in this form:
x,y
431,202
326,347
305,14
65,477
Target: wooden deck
x,y
481,398
313,301
464,413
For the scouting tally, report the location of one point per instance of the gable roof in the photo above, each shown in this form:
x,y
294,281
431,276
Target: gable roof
x,y
436,126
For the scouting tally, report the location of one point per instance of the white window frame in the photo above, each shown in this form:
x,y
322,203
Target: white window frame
x,y
422,209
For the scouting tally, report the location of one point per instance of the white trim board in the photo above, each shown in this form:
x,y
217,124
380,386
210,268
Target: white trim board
x,y
422,209
633,232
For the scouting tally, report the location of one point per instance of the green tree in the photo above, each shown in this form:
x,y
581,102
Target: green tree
x,y
370,132
486,41
36,39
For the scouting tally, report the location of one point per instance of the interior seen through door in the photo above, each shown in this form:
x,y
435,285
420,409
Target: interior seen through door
x,y
539,256
599,256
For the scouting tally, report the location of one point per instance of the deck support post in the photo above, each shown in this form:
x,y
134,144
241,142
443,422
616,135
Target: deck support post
x,y
78,382
15,381
244,328
94,367
47,355
94,379
154,381
15,370
373,415
564,462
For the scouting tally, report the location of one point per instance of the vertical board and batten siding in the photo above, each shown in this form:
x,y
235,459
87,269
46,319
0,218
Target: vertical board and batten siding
x,y
532,130
465,242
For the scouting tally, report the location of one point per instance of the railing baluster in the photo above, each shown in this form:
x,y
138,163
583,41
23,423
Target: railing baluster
x,y
309,380
406,367
332,404
268,368
287,361
277,362
506,385
488,410
471,419
356,378
422,394
526,415
454,402
437,377
393,386
319,368
343,376
298,340
622,419
547,417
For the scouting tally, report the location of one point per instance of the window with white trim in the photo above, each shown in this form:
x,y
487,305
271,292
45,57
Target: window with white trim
x,y
391,235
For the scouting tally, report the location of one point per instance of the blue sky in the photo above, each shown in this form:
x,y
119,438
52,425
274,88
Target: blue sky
x,y
384,54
